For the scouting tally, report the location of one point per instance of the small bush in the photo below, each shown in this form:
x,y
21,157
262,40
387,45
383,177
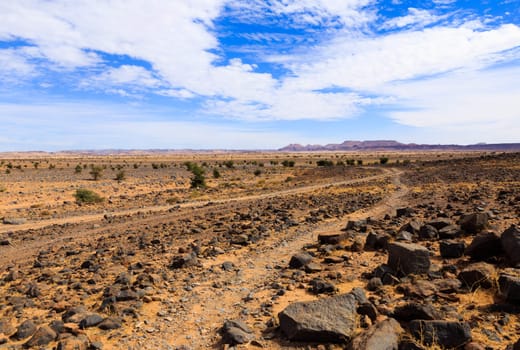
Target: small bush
x,y
198,180
120,176
83,195
229,164
96,172
324,162
216,173
258,172
78,169
288,163
383,160
360,162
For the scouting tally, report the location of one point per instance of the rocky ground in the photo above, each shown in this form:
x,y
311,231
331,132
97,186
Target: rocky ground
x,y
416,256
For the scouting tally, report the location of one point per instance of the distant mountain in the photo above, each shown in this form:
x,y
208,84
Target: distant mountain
x,y
390,145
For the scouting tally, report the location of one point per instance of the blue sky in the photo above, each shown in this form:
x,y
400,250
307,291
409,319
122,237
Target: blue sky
x,y
256,74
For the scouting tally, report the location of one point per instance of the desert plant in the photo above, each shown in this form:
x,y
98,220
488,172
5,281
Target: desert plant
x,y
383,160
198,180
258,172
96,172
324,162
216,173
86,196
288,163
78,169
360,162
229,164
120,176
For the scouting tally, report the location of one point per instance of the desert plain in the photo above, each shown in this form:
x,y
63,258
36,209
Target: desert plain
x,y
330,250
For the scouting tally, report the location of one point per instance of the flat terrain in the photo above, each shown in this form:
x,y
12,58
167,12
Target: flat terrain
x,y
157,264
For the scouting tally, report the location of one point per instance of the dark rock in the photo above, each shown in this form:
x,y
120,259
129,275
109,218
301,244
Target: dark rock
x,y
127,295
74,314
331,238
325,320
415,311
428,232
440,223
449,232
404,236
477,275
404,212
236,332
26,329
43,336
374,283
90,321
452,249
109,323
319,286
375,241
510,241
413,227
367,309
382,336
358,225
474,223
444,333
58,326
509,286
299,260
183,261
407,258
313,267
484,246
227,266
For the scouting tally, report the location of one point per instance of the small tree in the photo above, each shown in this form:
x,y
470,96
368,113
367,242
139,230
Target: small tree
x,y
216,173
78,169
198,180
383,160
96,171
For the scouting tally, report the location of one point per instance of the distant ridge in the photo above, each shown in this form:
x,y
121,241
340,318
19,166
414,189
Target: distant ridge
x,y
390,145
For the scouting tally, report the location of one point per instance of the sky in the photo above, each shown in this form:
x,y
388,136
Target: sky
x,y
256,74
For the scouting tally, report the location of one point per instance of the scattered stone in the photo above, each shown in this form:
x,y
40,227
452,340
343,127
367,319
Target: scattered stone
x,y
26,329
477,275
415,311
325,320
43,336
299,260
6,327
510,241
444,333
509,286
449,232
109,323
74,343
331,238
484,246
382,336
400,212
451,249
408,258
183,261
428,232
236,332
413,227
474,223
440,223
374,283
319,286
91,320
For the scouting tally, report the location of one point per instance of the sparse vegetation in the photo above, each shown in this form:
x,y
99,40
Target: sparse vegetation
x,y
216,173
258,172
96,172
324,162
383,160
288,163
229,164
120,176
78,169
198,180
85,196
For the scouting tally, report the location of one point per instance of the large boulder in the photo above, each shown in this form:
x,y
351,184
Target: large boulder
x,y
510,241
329,320
474,223
477,275
382,336
484,246
407,258
444,333
509,286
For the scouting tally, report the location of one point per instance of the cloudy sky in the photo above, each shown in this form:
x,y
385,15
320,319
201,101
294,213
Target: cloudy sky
x,y
244,74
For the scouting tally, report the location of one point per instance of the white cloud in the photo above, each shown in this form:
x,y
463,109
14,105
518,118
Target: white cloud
x,y
13,66
415,17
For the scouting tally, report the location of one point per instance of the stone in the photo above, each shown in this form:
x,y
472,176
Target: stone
x,y
374,284
319,286
400,212
413,227
428,232
331,238
447,334
509,286
24,330
415,311
510,241
109,323
299,260
381,336
330,319
183,261
474,223
6,327
451,249
449,232
484,246
440,223
43,336
74,343
375,241
91,320
14,221
477,275
408,258
236,332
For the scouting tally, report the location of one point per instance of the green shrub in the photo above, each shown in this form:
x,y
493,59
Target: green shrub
x,y
288,163
383,160
324,162
96,172
216,173
229,164
83,195
258,172
198,180
78,169
120,176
